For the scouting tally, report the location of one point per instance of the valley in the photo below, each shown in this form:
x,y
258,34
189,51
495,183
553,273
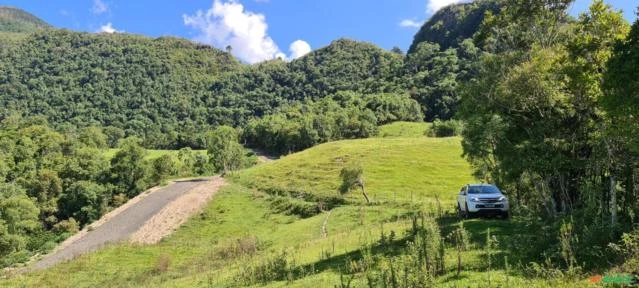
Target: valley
x,y
132,161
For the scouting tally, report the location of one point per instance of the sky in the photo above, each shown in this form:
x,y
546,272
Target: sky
x,y
258,30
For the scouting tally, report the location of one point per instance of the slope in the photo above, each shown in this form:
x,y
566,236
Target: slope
x,y
17,20
452,24
243,238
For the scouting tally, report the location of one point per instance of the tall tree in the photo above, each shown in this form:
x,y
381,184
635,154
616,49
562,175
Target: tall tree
x,y
127,167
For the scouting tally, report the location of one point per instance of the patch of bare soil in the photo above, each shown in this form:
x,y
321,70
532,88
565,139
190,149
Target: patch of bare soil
x,y
177,212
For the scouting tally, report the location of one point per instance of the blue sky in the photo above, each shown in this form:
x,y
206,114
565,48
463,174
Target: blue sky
x,y
257,29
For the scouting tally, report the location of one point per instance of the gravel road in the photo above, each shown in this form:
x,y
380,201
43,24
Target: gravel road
x,y
121,226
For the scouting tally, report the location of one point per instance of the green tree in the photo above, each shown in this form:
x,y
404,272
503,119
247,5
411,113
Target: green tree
x,y
433,80
352,177
84,201
621,100
163,167
93,137
225,153
18,217
128,167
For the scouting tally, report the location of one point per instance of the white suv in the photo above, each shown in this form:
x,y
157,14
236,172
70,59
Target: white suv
x,y
482,198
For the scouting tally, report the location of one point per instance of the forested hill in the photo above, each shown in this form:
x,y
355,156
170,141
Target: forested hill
x,y
349,65
453,24
148,87
17,20
168,90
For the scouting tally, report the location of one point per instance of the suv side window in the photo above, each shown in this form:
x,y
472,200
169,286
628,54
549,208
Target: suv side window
x,y
462,191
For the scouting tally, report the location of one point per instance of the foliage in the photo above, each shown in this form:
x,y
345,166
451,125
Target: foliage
x,y
344,115
352,177
163,167
127,167
448,128
18,217
535,124
84,201
155,89
17,20
449,26
225,153
621,100
52,183
168,92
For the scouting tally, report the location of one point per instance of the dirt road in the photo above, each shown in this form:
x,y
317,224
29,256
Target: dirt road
x,y
121,225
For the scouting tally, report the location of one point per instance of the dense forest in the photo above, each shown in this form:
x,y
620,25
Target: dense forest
x,y
551,114
169,91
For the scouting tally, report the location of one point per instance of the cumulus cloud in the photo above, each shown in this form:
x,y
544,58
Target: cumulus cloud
x,y
108,28
99,7
298,49
410,23
435,5
228,24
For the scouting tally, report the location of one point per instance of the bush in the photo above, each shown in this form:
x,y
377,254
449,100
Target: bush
x,y
239,247
292,206
67,226
628,248
448,128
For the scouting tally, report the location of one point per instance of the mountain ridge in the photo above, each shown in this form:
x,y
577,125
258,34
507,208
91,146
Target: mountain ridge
x,y
13,19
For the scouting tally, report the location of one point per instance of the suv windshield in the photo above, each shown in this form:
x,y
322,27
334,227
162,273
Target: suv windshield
x,y
487,189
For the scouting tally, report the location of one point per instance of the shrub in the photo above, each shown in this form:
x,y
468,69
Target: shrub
x,y
292,206
239,247
162,264
67,226
628,248
274,268
448,128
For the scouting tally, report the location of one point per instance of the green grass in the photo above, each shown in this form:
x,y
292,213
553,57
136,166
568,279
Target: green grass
x,y
404,129
394,169
193,251
151,154
403,174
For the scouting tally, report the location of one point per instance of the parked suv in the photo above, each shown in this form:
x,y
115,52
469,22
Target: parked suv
x,y
476,199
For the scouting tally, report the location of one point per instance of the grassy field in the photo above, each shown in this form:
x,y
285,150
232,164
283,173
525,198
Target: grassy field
x,y
395,169
242,233
239,230
404,129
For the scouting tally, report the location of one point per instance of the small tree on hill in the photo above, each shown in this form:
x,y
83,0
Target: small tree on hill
x,y
352,178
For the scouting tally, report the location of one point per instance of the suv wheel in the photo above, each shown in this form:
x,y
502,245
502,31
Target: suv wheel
x,y
467,213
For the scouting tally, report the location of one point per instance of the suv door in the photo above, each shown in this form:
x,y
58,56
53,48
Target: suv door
x,y
461,199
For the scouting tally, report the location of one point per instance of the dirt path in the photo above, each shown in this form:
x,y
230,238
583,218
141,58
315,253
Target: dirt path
x,y
263,157
176,213
139,214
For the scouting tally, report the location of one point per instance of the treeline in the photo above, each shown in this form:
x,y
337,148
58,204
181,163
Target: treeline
x,y
551,115
52,184
344,115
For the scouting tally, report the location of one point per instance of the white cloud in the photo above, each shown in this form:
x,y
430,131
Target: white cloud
x,y
228,24
108,28
410,23
435,5
99,7
298,49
